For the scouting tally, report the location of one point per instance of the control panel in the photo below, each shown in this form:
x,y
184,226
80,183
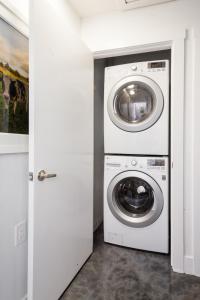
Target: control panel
x,y
152,66
136,163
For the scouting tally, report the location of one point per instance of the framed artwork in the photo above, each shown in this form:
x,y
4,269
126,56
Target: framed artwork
x,y
14,80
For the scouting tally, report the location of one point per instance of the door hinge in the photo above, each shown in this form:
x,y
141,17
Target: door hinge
x,y
30,176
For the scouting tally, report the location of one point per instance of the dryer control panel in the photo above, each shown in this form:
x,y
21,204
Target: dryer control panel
x,y
150,66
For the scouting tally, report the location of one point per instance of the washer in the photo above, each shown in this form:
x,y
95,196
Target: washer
x,y
136,108
136,202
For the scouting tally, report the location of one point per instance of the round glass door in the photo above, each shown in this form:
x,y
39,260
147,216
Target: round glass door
x,y
135,103
134,196
135,199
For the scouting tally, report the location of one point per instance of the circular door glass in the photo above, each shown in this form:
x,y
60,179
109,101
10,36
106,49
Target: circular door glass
x,y
135,199
134,196
134,102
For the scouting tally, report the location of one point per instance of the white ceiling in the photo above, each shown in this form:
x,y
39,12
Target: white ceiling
x,y
87,8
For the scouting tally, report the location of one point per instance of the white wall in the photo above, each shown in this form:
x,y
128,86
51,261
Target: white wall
x,y
23,7
122,29
13,209
145,25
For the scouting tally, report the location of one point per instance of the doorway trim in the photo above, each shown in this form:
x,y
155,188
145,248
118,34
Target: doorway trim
x,y
196,161
177,45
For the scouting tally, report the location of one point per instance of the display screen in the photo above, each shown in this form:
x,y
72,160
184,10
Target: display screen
x,y
157,64
156,162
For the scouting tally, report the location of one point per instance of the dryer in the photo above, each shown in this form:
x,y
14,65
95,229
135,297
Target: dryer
x,y
136,202
136,108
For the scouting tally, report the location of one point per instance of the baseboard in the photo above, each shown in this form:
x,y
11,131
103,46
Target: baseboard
x,y
189,265
24,298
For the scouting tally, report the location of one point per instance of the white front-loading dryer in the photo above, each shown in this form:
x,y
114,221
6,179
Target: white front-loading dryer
x,y
136,108
136,202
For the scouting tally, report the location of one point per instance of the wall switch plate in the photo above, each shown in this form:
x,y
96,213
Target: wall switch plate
x,y
20,233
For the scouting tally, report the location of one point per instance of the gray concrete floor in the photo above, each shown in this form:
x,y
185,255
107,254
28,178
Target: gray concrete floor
x,y
117,273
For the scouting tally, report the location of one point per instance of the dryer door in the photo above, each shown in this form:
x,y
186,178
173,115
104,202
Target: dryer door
x,y
135,103
135,199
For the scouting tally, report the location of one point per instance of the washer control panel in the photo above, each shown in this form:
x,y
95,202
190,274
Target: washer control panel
x,y
136,163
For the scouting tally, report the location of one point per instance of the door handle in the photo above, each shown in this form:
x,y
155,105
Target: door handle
x,y
42,175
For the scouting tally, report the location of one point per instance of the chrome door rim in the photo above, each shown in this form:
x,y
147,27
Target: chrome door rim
x,y
132,221
115,118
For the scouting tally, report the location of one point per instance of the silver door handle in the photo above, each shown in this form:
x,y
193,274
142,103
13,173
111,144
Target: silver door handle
x,y
42,175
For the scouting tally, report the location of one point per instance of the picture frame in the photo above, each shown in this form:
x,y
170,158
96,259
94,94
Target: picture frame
x,y
13,142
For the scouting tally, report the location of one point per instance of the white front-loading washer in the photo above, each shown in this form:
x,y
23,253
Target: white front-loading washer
x,y
136,108
136,202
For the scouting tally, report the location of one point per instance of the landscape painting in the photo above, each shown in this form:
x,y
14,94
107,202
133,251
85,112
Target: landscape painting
x,y
14,80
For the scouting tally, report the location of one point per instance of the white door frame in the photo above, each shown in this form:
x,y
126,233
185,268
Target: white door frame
x,y
177,46
196,161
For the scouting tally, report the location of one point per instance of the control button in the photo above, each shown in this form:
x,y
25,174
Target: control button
x,y
134,67
134,163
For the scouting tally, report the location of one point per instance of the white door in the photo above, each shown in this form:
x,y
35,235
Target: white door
x,y
61,143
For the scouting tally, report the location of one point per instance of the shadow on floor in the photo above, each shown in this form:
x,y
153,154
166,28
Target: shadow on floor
x,y
117,273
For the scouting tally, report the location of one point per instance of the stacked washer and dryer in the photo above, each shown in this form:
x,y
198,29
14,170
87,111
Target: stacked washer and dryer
x,y
136,144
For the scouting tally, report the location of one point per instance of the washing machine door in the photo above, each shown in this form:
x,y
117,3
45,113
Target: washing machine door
x,y
135,199
135,103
